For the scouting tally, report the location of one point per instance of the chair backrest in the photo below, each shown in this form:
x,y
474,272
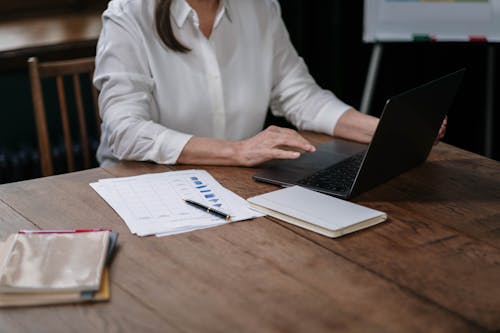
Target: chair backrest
x,y
59,70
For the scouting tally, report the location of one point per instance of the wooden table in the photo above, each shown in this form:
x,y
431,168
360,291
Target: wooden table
x,y
433,266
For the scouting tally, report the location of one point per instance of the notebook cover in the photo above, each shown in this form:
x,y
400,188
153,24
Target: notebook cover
x,y
54,262
317,212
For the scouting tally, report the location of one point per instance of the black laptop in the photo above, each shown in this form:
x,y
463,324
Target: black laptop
x,y
403,139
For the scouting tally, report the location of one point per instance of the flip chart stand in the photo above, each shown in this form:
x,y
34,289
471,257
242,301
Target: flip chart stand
x,y
371,78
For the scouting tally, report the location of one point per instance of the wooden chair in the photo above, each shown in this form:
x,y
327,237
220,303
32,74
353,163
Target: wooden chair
x,y
39,71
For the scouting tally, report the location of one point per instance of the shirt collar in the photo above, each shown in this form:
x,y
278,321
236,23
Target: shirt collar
x,y
180,11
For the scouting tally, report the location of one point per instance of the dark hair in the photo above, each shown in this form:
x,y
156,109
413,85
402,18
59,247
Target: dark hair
x,y
164,27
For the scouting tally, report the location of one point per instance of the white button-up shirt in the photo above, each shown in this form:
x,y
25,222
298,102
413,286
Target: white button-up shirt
x,y
153,100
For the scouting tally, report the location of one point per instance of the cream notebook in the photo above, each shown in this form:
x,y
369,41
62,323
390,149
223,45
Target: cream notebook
x,y
315,211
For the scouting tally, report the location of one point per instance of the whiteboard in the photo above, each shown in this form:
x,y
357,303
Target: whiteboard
x,y
432,20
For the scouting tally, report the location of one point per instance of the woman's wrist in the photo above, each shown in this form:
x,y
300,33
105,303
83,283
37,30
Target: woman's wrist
x,y
356,126
209,151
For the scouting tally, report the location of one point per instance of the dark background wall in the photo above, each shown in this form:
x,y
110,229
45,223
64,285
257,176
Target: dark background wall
x,y
328,35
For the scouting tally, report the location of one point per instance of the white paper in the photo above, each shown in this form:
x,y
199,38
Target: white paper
x,y
154,203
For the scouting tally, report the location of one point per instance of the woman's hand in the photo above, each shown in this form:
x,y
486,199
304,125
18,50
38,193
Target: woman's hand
x,y
272,143
442,130
356,126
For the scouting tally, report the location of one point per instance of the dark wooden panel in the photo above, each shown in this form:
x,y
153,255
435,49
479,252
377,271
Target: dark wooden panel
x,y
52,37
37,8
31,33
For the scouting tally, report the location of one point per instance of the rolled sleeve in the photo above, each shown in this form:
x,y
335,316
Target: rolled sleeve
x,y
130,128
295,95
167,147
326,118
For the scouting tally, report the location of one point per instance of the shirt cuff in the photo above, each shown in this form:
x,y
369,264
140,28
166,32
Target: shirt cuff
x,y
168,146
326,119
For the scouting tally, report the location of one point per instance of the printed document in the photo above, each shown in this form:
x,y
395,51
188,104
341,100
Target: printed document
x,y
153,204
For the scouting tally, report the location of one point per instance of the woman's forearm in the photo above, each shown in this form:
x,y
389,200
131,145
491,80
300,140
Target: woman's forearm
x,y
274,142
208,151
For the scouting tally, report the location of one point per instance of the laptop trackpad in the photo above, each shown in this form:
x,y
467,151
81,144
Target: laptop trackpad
x,y
287,172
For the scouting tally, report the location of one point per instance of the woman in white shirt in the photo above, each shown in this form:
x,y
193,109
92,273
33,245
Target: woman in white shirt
x,y
190,81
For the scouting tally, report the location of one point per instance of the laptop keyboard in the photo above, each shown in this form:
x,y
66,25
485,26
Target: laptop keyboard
x,y
338,177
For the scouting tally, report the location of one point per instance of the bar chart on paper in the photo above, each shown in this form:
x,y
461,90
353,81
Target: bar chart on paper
x,y
154,203
206,192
